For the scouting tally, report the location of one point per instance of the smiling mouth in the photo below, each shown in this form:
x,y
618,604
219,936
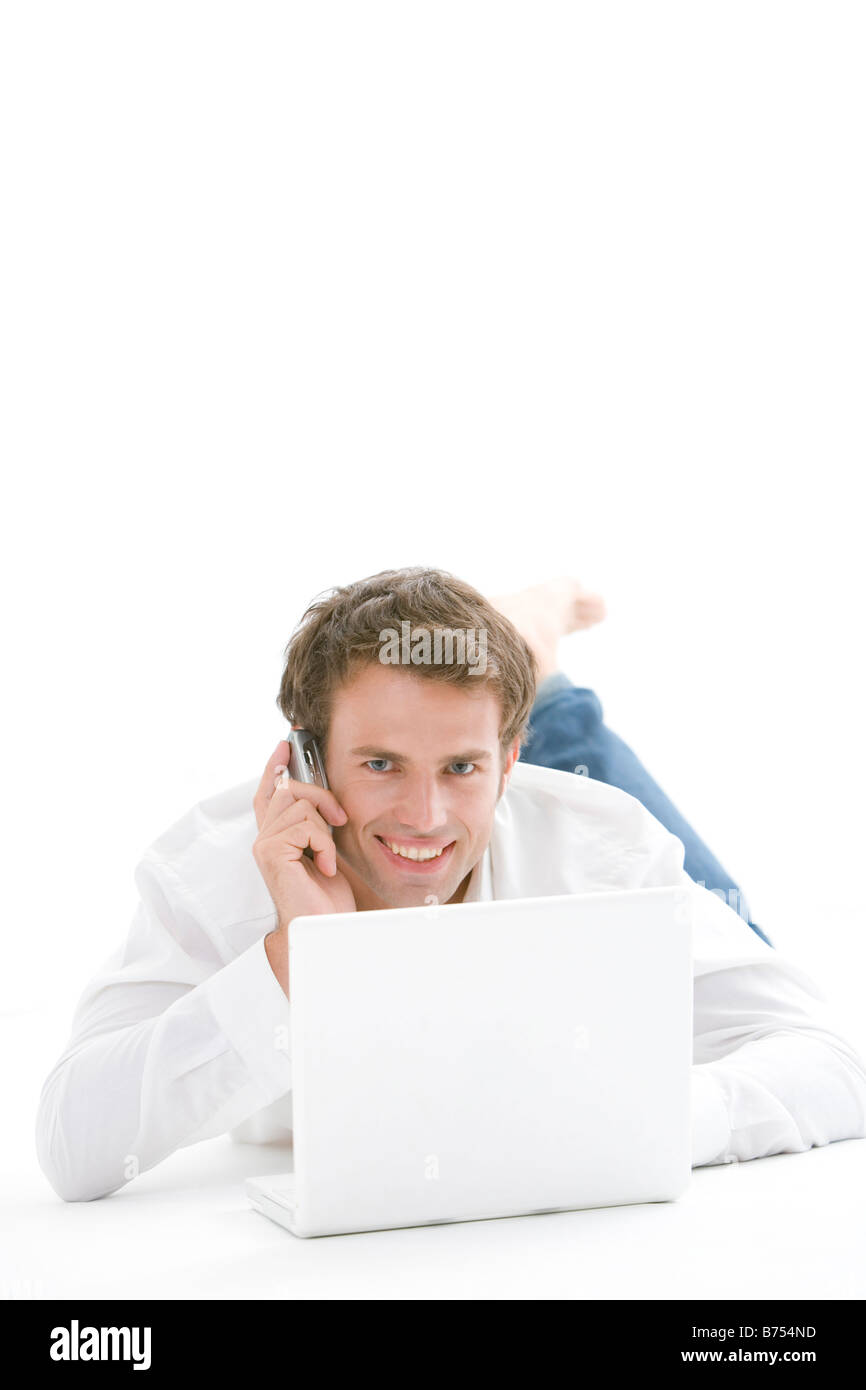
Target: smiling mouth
x,y
416,856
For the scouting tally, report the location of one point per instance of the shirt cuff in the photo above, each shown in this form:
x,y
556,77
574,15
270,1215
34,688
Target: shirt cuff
x,y
251,1008
711,1128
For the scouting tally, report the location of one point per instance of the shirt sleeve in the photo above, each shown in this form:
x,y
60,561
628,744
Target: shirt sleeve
x,y
169,1046
772,1073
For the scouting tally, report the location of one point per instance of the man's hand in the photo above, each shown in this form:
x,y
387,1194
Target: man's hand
x,y
292,817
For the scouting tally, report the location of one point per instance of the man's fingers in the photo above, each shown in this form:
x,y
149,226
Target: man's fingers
x,y
308,834
298,835
322,800
294,813
265,789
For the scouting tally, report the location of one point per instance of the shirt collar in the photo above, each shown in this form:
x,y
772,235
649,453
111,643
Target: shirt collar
x,y
480,886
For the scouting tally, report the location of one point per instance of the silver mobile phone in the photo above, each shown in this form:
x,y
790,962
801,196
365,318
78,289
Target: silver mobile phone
x,y
306,763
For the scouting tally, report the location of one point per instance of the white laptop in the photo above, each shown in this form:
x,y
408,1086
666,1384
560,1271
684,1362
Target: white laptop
x,y
491,1059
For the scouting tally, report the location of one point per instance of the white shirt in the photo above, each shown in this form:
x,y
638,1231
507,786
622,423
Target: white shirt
x,y
173,1041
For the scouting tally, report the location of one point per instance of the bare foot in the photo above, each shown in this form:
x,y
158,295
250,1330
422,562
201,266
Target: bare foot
x,y
547,612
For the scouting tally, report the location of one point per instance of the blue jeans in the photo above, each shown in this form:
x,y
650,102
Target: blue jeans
x,y
567,732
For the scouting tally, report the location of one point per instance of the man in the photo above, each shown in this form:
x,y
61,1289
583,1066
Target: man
x,y
182,1036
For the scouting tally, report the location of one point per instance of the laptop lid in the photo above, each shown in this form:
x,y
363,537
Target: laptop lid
x,y
490,1059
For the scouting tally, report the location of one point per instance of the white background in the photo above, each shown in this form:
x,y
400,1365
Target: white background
x,y
295,293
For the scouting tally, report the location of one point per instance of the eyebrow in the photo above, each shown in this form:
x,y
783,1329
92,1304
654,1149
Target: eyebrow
x,y
372,750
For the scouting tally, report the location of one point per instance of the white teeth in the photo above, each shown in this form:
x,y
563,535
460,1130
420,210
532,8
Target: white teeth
x,y
411,852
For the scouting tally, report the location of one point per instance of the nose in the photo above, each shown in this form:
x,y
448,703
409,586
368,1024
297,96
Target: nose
x,y
421,808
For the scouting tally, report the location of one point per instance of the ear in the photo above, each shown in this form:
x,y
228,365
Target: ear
x,y
513,755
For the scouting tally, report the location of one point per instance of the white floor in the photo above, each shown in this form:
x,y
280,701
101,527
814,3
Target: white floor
x,y
791,1226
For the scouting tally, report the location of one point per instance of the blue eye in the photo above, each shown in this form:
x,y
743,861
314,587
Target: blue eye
x,y
471,767
371,761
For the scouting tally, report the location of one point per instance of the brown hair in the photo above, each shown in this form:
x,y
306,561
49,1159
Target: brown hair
x,y
342,630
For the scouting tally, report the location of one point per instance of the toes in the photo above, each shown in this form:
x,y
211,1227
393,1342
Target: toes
x,y
589,609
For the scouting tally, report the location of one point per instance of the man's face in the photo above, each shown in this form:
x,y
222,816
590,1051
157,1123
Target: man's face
x,y
417,766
